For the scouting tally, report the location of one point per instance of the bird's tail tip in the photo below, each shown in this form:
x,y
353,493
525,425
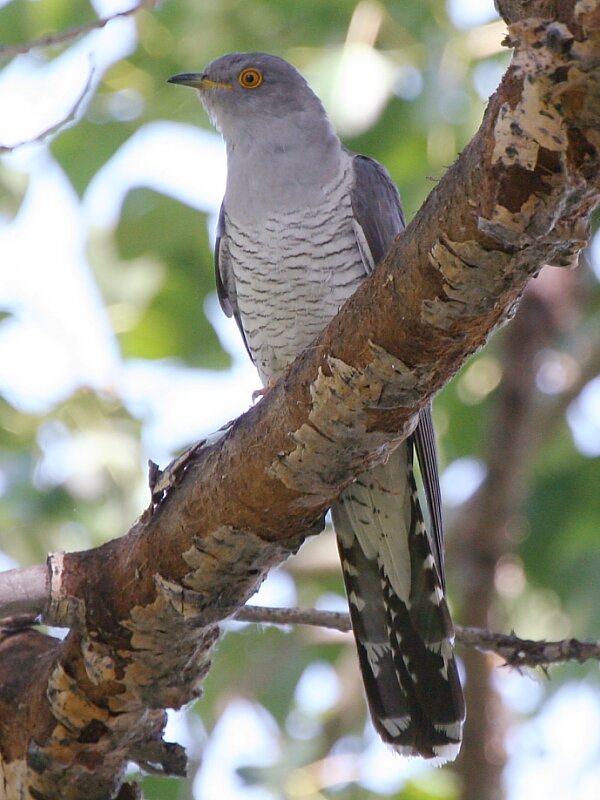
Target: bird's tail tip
x,y
442,754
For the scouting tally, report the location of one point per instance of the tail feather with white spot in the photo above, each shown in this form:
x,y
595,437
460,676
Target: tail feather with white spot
x,y
400,618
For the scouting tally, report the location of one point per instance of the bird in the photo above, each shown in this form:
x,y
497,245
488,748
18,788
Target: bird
x,y
303,222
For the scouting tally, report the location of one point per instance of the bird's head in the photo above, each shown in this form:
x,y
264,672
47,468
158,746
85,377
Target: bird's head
x,y
246,94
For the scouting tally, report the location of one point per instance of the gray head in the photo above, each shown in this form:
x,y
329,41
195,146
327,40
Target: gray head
x,y
256,95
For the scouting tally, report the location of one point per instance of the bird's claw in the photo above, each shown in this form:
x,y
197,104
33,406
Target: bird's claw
x,y
258,393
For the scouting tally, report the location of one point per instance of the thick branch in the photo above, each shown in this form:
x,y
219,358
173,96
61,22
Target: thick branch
x,y
24,591
144,605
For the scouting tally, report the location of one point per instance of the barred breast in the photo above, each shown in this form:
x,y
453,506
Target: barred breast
x,y
293,272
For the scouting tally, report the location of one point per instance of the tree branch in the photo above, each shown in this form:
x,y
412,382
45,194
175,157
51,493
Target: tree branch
x,y
24,592
515,651
528,652
56,127
9,51
144,608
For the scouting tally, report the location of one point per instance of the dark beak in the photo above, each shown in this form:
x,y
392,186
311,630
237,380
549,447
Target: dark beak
x,y
198,80
193,79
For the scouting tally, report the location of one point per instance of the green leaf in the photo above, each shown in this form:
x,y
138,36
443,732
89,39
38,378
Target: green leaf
x,y
172,324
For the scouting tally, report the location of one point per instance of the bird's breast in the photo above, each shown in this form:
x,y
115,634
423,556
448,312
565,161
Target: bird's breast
x,y
293,270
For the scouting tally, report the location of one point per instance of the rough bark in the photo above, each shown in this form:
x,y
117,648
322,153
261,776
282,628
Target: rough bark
x,y
144,609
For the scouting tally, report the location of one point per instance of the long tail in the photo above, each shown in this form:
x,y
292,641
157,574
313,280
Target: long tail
x,y
404,635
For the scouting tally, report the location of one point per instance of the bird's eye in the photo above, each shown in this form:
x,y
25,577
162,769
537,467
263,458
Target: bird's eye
x,y
250,78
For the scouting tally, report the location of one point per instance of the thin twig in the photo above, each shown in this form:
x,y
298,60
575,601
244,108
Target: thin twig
x,y
528,652
57,126
515,651
62,37
335,620
24,596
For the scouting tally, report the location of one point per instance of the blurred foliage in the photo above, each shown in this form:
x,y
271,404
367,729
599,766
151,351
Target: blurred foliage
x,y
72,476
155,227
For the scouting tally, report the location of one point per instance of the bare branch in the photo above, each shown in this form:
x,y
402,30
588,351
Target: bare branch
x,y
335,620
57,126
515,651
527,652
27,590
29,587
9,51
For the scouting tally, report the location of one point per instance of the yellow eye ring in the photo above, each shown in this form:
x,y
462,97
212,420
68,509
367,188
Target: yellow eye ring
x,y
250,78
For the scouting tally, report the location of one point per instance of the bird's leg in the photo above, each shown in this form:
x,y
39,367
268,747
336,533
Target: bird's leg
x,y
264,391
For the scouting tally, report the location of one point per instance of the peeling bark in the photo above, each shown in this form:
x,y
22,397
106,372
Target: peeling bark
x,y
144,609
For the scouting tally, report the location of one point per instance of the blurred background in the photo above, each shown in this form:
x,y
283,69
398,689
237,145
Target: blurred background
x,y
113,350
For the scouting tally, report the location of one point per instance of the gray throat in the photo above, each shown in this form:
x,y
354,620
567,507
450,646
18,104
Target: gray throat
x,y
287,169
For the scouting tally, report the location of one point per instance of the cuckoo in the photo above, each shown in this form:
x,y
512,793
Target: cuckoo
x,y
303,222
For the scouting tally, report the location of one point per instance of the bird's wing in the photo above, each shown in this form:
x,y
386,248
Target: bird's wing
x,y
379,219
225,278
377,209
424,439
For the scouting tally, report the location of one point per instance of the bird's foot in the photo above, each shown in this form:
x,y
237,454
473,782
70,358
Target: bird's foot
x,y
264,391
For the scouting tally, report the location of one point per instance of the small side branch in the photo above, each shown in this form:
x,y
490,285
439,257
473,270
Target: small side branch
x,y
334,620
528,652
64,37
71,116
515,651
26,593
